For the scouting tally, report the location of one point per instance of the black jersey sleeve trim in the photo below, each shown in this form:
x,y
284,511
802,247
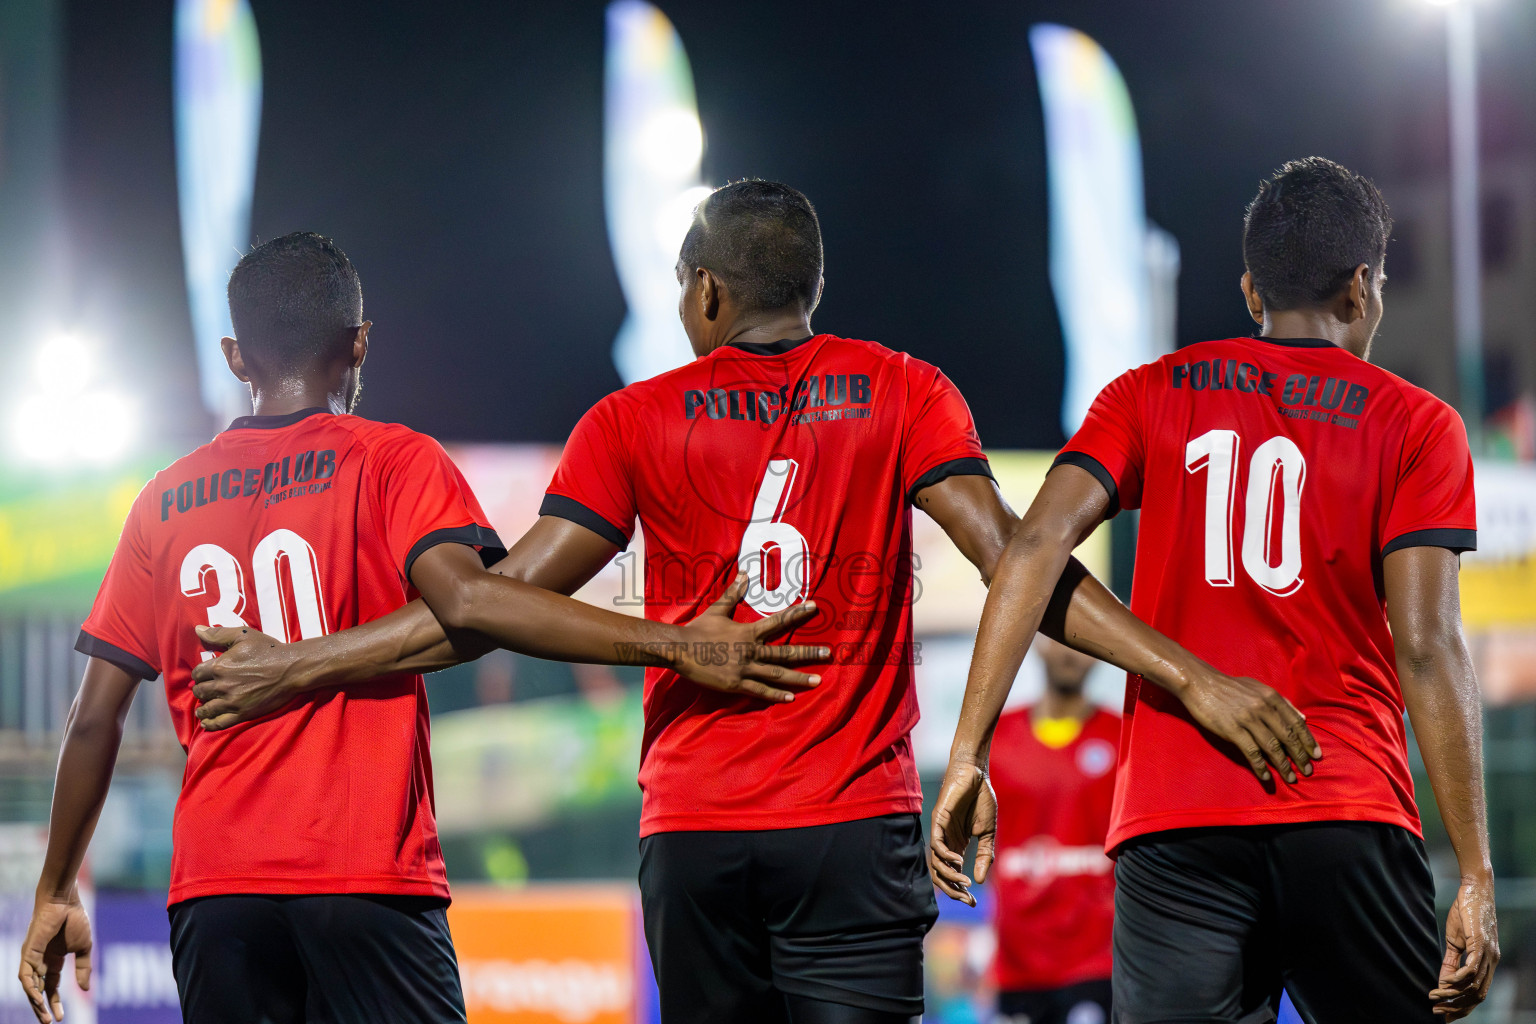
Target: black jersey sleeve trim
x,y
95,647
1457,540
1082,460
492,550
569,508
945,470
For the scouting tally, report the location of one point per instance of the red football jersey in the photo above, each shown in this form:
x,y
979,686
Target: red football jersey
x,y
1055,888
297,525
1273,476
796,461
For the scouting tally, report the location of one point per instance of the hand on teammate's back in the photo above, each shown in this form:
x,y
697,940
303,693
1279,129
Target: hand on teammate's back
x,y
1264,726
734,657
255,674
966,809
1471,950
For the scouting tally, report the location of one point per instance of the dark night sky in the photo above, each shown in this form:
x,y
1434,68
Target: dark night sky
x,y
455,151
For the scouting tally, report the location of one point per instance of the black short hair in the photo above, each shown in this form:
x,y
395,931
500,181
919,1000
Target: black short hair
x,y
292,301
762,239
1308,229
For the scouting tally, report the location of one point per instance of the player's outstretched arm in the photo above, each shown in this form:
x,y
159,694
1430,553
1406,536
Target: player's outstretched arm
x,y
1037,585
257,674
713,650
1445,707
519,605
59,926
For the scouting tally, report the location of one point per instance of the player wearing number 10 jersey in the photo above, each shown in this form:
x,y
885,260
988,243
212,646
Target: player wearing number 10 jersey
x,y
1302,513
307,882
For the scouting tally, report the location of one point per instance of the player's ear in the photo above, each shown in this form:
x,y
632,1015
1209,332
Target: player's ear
x,y
1251,296
1355,301
821,284
360,344
236,362
709,293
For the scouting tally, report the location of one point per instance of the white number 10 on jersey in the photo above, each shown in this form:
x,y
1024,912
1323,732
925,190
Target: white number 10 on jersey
x,y
1277,460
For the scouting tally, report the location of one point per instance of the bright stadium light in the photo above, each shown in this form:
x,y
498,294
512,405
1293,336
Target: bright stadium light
x,y
69,417
671,142
60,365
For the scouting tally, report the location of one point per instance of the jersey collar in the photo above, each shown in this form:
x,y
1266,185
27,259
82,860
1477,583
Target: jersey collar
x,y
772,348
1299,342
274,422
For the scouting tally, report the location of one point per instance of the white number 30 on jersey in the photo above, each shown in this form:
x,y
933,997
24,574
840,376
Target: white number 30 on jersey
x,y
275,594
773,553
1276,461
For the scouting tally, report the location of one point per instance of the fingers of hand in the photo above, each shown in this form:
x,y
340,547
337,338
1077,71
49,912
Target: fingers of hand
x,y
732,596
1275,752
791,654
1255,759
213,709
756,689
1290,728
221,722
779,674
31,975
949,874
83,969
221,636
984,854
781,622
945,887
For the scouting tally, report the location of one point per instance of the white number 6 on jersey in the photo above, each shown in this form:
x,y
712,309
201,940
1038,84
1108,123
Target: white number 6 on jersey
x,y
769,541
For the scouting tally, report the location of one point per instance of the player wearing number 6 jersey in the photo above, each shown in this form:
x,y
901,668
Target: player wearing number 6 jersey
x,y
1302,513
307,882
782,861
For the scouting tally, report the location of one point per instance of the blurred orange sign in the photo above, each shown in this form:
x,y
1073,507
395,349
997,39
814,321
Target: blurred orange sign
x,y
547,954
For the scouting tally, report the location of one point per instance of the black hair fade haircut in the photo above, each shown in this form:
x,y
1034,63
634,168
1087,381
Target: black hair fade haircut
x,y
762,239
292,301
1308,229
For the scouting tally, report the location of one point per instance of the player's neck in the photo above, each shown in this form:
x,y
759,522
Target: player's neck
x,y
1314,323
790,326
287,397
1063,704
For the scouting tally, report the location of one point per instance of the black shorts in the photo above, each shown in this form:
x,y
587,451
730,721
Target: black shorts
x,y
737,921
315,959
1087,1002
1211,923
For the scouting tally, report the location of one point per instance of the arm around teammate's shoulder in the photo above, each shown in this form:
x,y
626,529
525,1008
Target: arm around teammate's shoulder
x,y
1445,706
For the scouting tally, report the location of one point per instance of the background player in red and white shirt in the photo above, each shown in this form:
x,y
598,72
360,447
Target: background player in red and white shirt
x,y
1053,770
306,879
782,858
1302,512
